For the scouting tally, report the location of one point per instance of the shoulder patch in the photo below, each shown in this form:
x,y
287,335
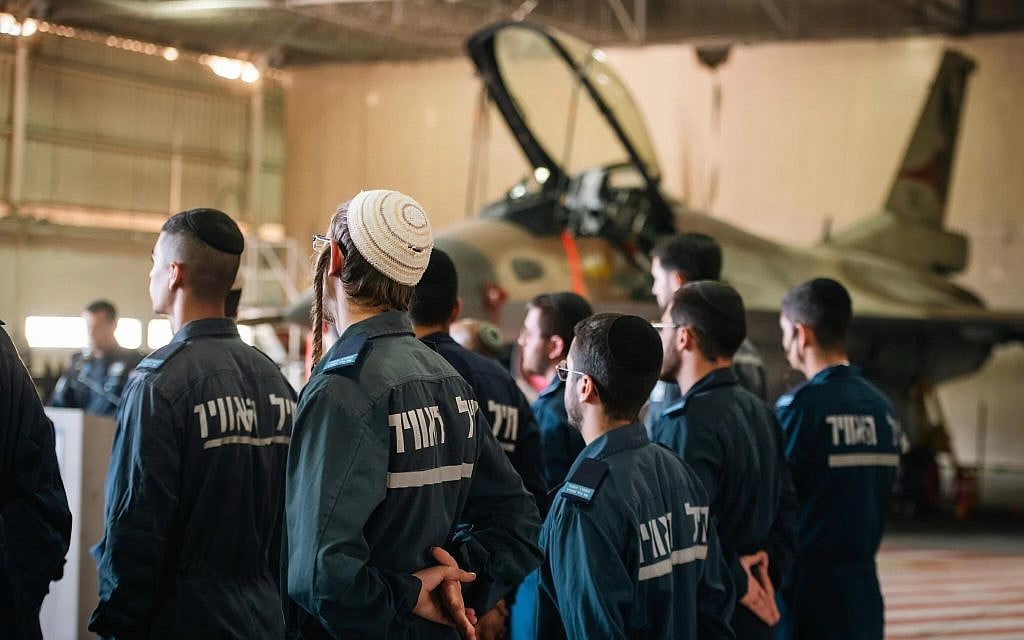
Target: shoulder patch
x,y
158,358
585,482
348,353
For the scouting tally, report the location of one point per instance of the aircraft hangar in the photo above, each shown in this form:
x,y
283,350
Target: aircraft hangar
x,y
552,144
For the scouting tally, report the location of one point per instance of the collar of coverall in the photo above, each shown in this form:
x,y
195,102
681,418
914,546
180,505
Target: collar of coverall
x,y
835,371
206,327
630,436
720,377
389,323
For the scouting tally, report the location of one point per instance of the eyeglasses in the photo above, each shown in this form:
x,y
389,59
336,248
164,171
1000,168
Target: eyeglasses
x,y
563,371
322,243
665,325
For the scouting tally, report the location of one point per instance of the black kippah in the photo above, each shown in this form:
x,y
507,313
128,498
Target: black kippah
x,y
635,345
216,229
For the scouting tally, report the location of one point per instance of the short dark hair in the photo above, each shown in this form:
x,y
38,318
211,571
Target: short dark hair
x,y
211,272
622,354
559,313
434,298
822,304
715,313
102,306
695,255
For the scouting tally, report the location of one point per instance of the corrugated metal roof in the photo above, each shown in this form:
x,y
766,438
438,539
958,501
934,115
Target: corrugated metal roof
x,y
296,32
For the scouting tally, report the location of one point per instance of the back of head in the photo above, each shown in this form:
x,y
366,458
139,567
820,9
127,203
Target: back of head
x,y
103,307
386,240
715,313
824,306
433,300
208,243
559,313
479,336
622,354
695,255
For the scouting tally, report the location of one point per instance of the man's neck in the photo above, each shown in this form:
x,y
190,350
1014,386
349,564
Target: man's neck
x,y
693,370
817,361
422,331
348,314
187,309
597,424
100,353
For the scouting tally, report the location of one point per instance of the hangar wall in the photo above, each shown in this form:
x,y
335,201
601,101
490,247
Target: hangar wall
x,y
806,133
114,141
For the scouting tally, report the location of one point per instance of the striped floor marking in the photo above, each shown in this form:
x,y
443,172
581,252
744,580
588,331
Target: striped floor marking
x,y
958,595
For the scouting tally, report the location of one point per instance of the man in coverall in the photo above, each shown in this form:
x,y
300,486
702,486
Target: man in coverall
x,y
435,306
842,443
194,495
733,441
630,547
689,257
392,456
96,376
35,522
544,341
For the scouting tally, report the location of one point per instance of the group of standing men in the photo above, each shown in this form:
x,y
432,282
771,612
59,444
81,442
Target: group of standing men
x,y
401,494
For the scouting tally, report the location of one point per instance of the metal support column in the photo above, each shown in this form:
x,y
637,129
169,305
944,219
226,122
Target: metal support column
x,y
255,156
19,112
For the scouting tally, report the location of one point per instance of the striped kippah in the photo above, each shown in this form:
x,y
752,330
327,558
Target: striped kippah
x,y
392,232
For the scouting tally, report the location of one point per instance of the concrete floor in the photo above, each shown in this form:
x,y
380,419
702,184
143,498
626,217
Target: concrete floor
x,y
949,580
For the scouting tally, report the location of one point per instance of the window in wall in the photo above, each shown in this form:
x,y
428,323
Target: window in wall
x,y
68,332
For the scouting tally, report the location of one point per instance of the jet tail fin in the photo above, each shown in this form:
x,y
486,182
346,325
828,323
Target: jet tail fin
x,y
915,209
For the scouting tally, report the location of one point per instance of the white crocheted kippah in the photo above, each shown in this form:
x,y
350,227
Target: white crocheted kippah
x,y
392,232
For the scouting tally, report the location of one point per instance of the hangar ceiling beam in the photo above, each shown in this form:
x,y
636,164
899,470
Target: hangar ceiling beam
x,y
786,25
631,25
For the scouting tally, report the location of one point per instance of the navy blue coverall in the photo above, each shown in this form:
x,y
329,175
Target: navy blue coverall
x,y
748,366
735,445
559,443
35,522
95,384
391,456
195,493
630,548
506,408
842,443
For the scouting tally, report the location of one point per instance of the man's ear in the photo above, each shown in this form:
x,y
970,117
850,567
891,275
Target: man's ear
x,y
685,339
337,260
557,350
175,276
803,335
456,310
587,390
676,279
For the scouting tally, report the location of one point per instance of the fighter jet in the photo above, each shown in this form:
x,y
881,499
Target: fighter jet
x,y
589,213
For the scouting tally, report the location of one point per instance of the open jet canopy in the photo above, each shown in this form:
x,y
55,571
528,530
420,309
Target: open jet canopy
x,y
573,117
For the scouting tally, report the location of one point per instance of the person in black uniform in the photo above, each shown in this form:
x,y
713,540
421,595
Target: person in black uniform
x,y
194,495
392,456
843,446
96,376
35,522
630,546
675,261
734,443
544,342
435,306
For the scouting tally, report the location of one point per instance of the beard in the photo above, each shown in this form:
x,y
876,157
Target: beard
x,y
573,411
669,367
